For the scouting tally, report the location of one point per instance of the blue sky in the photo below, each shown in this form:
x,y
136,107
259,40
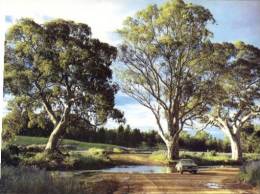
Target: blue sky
x,y
235,20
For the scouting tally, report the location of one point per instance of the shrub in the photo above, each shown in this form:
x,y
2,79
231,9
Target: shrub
x,y
250,173
96,151
213,153
160,155
118,150
91,159
8,158
24,180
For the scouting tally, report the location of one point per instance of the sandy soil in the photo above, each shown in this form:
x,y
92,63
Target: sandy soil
x,y
222,181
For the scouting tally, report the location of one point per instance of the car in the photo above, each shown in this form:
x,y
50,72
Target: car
x,y
187,165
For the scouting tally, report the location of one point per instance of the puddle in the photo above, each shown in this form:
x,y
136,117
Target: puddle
x,y
214,185
133,169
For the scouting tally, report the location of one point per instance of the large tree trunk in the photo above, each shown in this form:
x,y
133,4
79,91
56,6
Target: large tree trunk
x,y
236,147
172,149
52,144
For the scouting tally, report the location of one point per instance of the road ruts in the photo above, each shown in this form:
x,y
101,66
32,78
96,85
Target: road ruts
x,y
182,184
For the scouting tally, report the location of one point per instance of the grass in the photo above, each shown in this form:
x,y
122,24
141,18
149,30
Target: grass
x,y
201,158
215,158
208,158
137,159
96,155
26,140
94,158
86,156
25,180
159,156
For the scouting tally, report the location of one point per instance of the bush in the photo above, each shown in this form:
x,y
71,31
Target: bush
x,y
92,159
96,151
250,173
24,180
8,158
213,153
160,156
118,150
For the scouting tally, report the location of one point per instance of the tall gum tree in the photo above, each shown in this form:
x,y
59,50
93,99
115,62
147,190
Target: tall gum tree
x,y
164,56
61,71
236,99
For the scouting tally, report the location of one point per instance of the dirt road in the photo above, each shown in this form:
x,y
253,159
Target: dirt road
x,y
212,181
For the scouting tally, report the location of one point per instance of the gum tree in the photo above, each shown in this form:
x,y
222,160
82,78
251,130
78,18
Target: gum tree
x,y
61,71
165,56
236,99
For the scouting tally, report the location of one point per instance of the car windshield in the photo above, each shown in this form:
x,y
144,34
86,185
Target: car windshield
x,y
187,162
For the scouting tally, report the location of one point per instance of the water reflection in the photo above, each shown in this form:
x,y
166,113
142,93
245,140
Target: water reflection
x,y
214,185
136,169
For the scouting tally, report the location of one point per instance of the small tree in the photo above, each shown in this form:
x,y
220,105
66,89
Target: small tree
x,y
166,53
236,100
62,71
15,120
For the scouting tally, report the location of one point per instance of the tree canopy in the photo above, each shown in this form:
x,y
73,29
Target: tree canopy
x,y
236,99
167,56
59,69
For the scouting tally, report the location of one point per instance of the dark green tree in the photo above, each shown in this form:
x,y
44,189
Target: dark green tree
x,y
61,70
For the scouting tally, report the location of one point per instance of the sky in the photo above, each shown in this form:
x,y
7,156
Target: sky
x,y
235,20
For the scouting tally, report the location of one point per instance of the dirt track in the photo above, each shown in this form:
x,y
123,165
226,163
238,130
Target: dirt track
x,y
224,178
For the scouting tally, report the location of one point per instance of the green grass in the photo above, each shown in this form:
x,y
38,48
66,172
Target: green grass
x,y
94,158
85,156
26,140
202,158
159,156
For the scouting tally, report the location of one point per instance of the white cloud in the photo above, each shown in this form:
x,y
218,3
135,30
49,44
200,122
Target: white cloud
x,y
104,17
137,116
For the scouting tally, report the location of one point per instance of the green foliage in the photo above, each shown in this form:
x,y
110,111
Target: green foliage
x,y
9,157
24,140
59,69
95,151
16,119
250,173
167,56
159,156
236,99
94,158
201,158
118,150
250,137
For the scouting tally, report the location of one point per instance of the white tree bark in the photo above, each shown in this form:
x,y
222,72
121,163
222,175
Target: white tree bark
x,y
172,149
236,147
232,131
52,144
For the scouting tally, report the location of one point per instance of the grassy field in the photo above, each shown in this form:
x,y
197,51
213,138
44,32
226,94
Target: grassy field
x,y
26,140
93,154
160,158
77,155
